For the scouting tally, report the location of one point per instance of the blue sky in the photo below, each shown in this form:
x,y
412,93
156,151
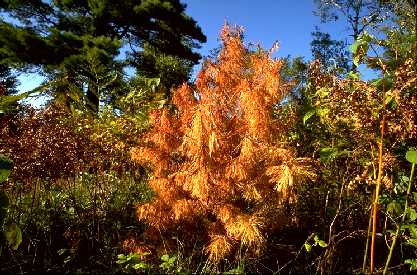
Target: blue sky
x,y
290,22
265,21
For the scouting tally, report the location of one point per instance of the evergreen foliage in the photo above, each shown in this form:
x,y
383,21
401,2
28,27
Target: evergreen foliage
x,y
81,42
217,164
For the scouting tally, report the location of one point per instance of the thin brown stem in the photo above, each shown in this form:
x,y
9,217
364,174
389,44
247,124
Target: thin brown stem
x,y
368,234
376,199
337,212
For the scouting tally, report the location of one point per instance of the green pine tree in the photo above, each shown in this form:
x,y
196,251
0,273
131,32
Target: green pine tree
x,y
80,42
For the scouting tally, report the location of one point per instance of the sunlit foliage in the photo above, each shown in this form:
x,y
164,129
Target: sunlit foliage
x,y
51,144
217,164
354,110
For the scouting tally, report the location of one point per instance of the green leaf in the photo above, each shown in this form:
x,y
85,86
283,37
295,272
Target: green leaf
x,y
390,101
323,92
394,208
139,266
67,259
323,112
412,214
165,258
240,269
308,115
366,38
328,154
233,271
412,242
322,243
13,235
6,165
412,262
152,83
404,180
377,82
121,261
353,75
383,83
7,101
356,60
319,242
411,156
172,259
307,246
62,251
413,231
354,47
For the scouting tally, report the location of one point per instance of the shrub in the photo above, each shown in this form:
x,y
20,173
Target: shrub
x,y
52,143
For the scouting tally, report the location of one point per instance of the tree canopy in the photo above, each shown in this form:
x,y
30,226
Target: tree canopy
x,y
87,43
